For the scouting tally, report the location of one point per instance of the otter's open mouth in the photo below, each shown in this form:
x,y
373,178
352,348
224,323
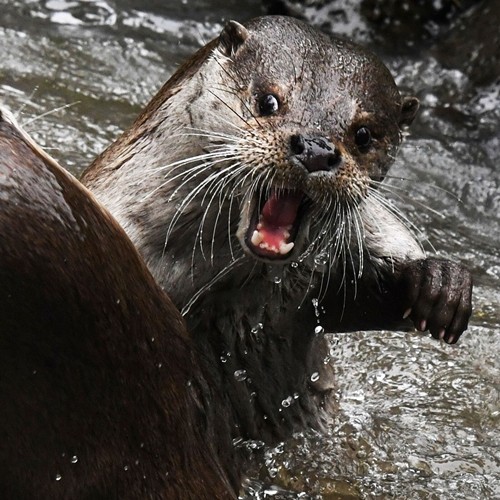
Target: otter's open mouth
x,y
274,224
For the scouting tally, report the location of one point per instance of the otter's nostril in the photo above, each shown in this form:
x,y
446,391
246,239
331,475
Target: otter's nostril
x,y
315,153
297,144
334,158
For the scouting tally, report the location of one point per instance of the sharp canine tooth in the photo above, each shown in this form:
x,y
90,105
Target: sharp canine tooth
x,y
257,237
286,247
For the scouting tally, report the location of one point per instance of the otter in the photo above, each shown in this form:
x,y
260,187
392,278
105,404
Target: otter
x,y
252,186
101,393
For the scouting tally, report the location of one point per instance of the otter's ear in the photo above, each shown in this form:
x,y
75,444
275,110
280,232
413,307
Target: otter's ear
x,y
409,108
232,37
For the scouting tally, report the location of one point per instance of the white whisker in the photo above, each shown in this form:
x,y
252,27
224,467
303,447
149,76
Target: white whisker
x,y
208,285
47,113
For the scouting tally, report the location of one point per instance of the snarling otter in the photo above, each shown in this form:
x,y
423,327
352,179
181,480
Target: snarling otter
x,y
251,186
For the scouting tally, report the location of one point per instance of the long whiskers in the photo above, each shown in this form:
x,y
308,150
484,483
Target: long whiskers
x,y
226,270
206,161
47,113
402,195
234,92
242,118
398,214
217,188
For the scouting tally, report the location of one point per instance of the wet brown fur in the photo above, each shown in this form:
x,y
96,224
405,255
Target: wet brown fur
x,y
95,361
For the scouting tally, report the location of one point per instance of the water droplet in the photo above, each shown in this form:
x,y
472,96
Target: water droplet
x,y
74,459
319,330
117,301
296,395
270,492
58,477
237,441
240,375
126,467
224,357
287,402
257,328
152,339
277,280
254,444
294,265
315,377
321,259
160,365
315,304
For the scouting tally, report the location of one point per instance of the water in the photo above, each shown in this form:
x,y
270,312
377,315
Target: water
x,y
415,419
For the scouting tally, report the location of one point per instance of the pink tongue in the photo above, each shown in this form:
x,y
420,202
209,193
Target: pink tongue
x,y
280,211
271,237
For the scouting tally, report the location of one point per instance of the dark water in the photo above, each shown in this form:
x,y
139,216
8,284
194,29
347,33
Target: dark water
x,y
415,419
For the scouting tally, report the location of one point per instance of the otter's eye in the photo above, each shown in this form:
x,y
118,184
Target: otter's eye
x,y
363,137
268,104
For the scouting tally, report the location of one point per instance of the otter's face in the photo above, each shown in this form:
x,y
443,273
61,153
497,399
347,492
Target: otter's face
x,y
317,122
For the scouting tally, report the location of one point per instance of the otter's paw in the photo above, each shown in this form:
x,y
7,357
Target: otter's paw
x,y
436,295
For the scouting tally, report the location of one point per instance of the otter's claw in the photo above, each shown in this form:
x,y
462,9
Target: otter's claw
x,y
436,295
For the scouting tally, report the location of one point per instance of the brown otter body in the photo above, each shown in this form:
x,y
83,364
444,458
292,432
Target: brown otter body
x,y
101,394
249,185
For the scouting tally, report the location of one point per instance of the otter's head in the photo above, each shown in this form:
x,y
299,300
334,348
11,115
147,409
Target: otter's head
x,y
312,124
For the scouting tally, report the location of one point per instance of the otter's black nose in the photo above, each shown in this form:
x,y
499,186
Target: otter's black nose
x,y
315,153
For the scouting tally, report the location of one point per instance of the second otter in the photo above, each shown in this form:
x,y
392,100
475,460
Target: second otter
x,y
249,186
92,404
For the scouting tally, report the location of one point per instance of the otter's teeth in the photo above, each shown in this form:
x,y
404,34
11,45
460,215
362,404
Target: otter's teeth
x,y
286,247
257,238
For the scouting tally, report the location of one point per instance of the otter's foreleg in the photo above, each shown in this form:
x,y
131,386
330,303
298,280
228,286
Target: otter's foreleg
x,y
436,294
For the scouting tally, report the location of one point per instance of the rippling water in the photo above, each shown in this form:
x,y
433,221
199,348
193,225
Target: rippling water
x,y
415,419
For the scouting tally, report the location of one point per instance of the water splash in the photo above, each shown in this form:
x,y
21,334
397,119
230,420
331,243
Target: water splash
x,y
240,375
